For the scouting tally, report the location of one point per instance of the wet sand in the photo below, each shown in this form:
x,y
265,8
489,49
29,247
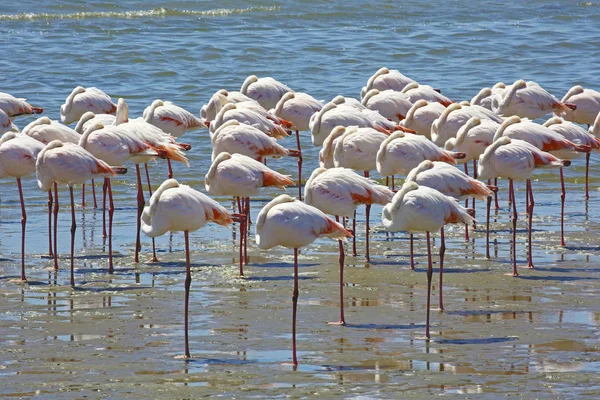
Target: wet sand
x,y
118,335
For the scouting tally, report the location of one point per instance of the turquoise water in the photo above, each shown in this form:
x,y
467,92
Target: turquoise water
x,y
183,51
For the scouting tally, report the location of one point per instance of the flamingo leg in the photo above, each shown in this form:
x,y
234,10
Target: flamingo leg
x,y
466,205
442,253
188,284
354,253
393,183
496,204
412,254
111,211
104,190
341,259
487,226
50,201
94,194
23,223
530,212
140,209
587,176
73,229
294,307
246,228
511,197
154,258
367,228
473,202
429,276
55,226
563,195
170,173
83,195
299,165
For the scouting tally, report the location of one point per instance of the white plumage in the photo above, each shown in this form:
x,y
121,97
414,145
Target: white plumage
x,y
267,91
357,149
171,118
391,104
421,115
45,130
587,103
235,137
386,79
82,100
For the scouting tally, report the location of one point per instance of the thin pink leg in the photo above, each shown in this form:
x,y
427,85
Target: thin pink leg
x,y
140,203
294,307
154,258
442,253
511,197
83,195
412,254
188,284
55,226
587,176
563,195
429,276
111,211
299,166
466,205
170,174
73,229
23,223
341,259
94,194
50,201
529,194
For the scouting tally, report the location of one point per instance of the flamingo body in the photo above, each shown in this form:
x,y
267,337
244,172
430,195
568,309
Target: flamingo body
x,y
171,118
266,91
14,107
235,137
386,79
45,130
587,102
82,100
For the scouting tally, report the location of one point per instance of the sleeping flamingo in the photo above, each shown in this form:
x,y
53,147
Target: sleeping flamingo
x,y
267,91
587,103
290,223
82,100
386,79
14,107
175,207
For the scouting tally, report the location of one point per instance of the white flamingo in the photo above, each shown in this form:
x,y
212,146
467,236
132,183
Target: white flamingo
x,y
587,103
82,100
267,91
209,111
290,223
6,124
260,120
240,176
417,208
14,107
171,118
485,95
389,103
421,115
416,92
18,153
386,79
175,207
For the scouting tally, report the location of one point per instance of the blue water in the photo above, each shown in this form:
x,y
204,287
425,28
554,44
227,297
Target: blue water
x,y
183,51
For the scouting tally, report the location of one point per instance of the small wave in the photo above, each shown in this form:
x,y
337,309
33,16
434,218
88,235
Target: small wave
x,y
157,12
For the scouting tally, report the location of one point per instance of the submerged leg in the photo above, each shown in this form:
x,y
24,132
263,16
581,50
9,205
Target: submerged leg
x,y
587,176
140,209
341,259
511,197
496,205
412,254
50,201
83,195
354,253
529,195
442,252
188,284
154,258
563,195
487,228
104,190
23,223
94,194
111,211
429,276
73,229
55,226
294,308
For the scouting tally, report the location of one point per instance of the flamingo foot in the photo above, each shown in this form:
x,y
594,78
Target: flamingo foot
x,y
337,323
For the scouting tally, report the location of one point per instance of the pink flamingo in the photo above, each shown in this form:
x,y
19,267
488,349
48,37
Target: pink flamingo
x,y
70,164
18,153
417,208
6,124
586,102
454,117
171,118
240,176
175,207
485,95
421,115
416,92
267,91
516,160
14,107
248,115
82,100
386,79
209,111
290,223
452,182
391,104
339,191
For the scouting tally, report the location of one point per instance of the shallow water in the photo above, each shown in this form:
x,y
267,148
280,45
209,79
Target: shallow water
x,y
118,335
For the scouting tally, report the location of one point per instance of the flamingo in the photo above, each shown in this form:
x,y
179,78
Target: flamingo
x,y
290,223
6,125
485,95
386,79
235,137
354,105
171,118
416,92
332,115
240,176
544,139
14,107
68,163
209,111
578,135
339,191
248,116
158,140
446,126
516,160
452,182
297,108
18,153
421,115
46,130
389,103
527,100
89,118
326,152
587,103
177,207
417,208
114,147
400,153
267,91
81,100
